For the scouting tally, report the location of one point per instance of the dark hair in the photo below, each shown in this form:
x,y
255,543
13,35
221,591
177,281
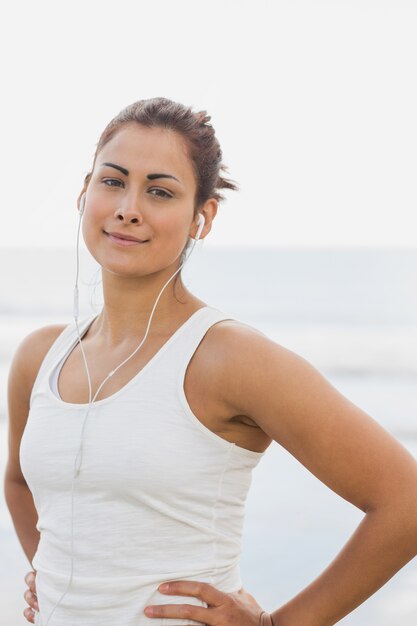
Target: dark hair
x,y
203,147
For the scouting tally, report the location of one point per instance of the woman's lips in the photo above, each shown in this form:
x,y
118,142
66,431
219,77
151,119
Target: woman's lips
x,y
124,242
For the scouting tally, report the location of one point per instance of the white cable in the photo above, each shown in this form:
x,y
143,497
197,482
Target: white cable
x,y
77,464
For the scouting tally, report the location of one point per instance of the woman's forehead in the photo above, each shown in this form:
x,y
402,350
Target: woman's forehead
x,y
142,147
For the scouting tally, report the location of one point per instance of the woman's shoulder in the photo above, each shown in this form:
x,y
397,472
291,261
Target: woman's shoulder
x,y
241,347
24,368
240,357
244,350
232,339
41,339
231,334
234,348
32,350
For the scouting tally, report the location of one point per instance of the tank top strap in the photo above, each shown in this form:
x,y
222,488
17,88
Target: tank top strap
x,y
58,348
190,340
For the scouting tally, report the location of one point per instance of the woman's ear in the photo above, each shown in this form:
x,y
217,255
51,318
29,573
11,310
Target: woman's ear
x,y
209,210
83,191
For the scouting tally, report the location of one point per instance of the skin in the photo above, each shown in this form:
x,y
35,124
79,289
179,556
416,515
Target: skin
x,y
133,205
281,396
130,199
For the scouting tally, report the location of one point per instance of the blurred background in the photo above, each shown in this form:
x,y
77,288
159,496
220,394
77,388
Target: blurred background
x,y
314,106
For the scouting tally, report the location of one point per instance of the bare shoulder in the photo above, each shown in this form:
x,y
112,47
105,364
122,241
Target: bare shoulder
x,y
245,347
32,350
235,330
268,382
296,405
230,353
238,349
24,368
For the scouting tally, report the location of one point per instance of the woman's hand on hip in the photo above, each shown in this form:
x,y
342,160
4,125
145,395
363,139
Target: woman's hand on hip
x,y
238,608
31,597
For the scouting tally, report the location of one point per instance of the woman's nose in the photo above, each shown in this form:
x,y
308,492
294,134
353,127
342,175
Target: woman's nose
x,y
129,213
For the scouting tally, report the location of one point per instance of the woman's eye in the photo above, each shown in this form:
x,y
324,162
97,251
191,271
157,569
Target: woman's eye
x,y
160,191
111,180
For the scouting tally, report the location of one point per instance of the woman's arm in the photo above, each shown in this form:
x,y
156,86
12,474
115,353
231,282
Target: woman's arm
x,y
343,447
22,375
23,512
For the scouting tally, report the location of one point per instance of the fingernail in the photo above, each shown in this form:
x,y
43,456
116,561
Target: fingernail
x,y
164,587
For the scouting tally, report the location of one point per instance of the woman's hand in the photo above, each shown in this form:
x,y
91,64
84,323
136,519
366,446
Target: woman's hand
x,y
31,597
238,608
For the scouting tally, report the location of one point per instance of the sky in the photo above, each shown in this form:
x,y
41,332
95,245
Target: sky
x,y
313,102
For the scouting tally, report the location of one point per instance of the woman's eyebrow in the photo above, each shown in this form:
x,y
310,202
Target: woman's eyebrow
x,y
117,167
153,176
149,176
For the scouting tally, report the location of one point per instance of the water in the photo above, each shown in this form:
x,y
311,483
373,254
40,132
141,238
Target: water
x,y
374,286
351,313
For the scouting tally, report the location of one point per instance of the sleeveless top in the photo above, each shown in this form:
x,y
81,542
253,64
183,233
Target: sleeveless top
x,y
159,497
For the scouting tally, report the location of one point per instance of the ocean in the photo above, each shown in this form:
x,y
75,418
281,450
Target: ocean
x,y
351,312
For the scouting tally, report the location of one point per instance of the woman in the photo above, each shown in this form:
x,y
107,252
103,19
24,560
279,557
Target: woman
x,y
174,434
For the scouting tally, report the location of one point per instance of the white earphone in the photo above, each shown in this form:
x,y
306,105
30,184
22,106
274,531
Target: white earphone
x,y
201,223
78,458
82,204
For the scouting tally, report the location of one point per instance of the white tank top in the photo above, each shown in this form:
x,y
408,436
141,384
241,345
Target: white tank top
x,y
160,496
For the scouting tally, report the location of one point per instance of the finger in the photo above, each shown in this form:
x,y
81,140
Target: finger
x,y
180,611
29,615
265,619
30,581
31,599
203,591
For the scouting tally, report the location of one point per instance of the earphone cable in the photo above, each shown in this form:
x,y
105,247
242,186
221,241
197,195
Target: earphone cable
x,y
78,458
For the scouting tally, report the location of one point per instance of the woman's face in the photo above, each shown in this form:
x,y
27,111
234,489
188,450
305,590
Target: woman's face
x,y
136,202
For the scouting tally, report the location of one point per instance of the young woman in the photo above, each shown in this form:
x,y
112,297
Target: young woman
x,y
174,433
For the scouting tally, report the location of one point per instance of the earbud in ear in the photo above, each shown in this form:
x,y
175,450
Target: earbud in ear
x,y
201,223
82,204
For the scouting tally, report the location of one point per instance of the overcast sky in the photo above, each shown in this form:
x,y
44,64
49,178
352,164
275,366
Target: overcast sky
x,y
314,103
